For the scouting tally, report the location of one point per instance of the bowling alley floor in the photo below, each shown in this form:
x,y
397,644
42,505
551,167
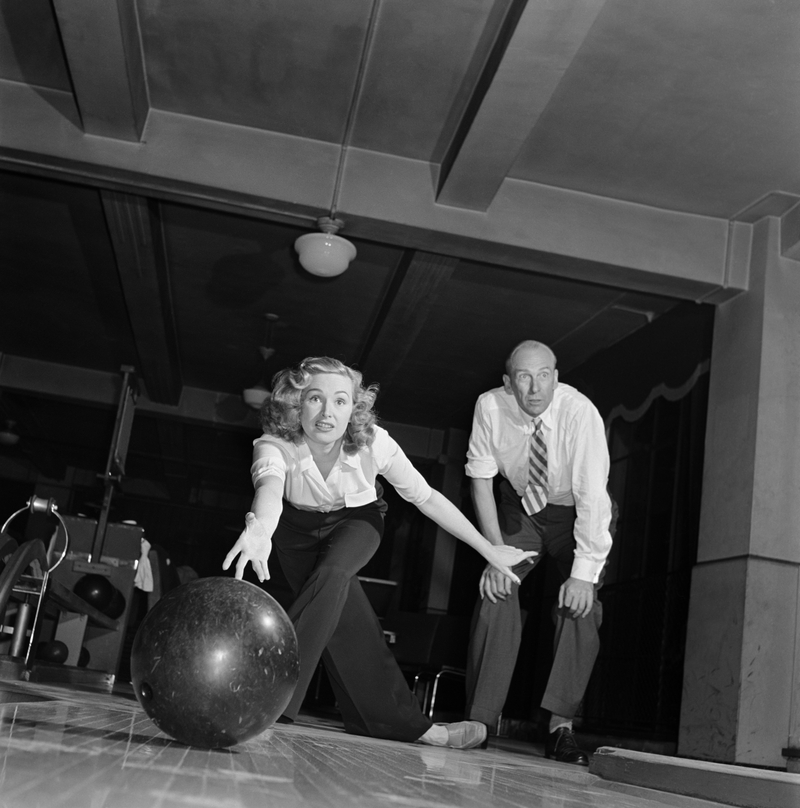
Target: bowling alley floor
x,y
61,746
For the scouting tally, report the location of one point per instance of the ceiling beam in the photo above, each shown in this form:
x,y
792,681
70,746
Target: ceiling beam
x,y
784,206
535,45
529,226
137,237
104,55
418,281
98,257
102,388
204,407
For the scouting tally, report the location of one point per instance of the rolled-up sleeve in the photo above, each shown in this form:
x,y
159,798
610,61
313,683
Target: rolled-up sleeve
x,y
392,463
481,462
268,461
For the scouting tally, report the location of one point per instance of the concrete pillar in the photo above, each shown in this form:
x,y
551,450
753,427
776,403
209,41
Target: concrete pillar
x,y
743,615
793,747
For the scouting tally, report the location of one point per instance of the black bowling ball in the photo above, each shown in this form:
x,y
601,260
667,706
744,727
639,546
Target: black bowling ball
x,y
96,590
215,662
116,606
52,651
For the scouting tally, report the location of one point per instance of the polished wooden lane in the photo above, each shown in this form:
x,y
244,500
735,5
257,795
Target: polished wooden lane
x,y
64,747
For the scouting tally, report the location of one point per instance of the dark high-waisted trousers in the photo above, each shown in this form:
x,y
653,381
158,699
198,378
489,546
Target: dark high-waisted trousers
x,y
497,627
321,554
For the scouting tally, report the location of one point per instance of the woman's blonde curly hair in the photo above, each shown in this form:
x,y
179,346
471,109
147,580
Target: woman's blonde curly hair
x,y
280,413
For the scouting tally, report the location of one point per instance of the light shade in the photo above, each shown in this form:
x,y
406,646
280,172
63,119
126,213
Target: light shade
x,y
255,396
324,254
8,435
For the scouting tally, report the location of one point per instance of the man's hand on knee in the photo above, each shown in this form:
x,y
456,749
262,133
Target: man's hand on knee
x,y
577,596
494,585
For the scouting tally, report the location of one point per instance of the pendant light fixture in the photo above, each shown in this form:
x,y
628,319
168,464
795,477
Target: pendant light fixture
x,y
9,435
325,253
256,395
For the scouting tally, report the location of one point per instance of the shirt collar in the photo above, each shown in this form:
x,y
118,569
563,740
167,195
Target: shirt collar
x,y
546,416
306,460
349,460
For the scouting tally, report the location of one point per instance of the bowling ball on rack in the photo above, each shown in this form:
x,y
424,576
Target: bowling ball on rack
x,y
116,606
215,662
52,651
96,590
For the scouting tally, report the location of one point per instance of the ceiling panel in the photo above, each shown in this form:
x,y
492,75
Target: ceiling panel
x,y
426,57
255,64
51,298
671,103
665,118
30,49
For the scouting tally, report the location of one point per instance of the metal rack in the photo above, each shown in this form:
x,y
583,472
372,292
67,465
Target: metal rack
x,y
29,588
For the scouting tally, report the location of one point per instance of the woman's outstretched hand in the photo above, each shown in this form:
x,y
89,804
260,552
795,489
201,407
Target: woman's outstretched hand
x,y
254,545
503,557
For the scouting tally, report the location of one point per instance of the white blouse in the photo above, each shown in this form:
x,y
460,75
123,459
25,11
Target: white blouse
x,y
351,481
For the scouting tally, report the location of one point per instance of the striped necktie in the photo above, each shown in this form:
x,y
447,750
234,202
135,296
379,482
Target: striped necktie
x,y
535,496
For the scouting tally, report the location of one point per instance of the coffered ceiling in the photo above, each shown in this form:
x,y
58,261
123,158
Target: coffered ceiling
x,y
565,170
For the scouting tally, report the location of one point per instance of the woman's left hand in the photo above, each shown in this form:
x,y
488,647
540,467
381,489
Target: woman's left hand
x,y
503,557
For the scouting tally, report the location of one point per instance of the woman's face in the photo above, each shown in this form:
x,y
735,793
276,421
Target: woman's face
x,y
326,408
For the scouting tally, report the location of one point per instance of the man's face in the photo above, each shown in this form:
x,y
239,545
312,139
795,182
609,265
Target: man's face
x,y
532,380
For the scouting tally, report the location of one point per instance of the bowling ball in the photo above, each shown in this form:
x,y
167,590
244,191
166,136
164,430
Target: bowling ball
x,y
52,651
84,657
116,606
96,590
214,662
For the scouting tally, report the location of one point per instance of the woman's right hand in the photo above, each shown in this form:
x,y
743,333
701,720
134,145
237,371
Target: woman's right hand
x,y
254,545
498,576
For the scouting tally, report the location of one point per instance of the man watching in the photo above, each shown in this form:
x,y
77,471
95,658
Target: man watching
x,y
548,443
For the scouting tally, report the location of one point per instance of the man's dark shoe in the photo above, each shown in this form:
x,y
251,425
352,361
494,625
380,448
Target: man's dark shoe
x,y
561,746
